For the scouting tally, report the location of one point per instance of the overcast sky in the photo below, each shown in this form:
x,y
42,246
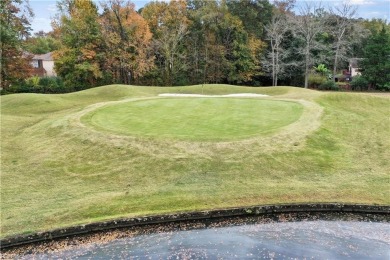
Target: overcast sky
x,y
45,9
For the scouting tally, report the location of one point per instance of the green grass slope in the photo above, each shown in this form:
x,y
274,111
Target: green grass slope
x,y
56,170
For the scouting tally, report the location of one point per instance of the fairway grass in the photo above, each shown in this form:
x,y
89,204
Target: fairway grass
x,y
74,159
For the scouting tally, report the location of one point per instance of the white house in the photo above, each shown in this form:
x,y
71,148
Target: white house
x,y
354,67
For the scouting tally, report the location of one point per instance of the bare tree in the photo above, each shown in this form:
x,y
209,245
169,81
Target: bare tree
x,y
309,24
284,6
275,59
341,20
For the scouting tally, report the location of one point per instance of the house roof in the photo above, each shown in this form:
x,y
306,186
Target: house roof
x,y
46,56
354,62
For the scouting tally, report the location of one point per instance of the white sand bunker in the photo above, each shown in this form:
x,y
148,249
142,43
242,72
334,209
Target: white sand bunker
x,y
200,95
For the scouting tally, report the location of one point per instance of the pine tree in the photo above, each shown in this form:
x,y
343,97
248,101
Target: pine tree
x,y
375,65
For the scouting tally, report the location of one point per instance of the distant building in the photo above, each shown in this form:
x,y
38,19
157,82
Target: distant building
x,y
43,65
354,68
352,71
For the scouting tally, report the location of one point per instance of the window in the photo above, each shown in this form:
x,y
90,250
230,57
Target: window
x,y
35,64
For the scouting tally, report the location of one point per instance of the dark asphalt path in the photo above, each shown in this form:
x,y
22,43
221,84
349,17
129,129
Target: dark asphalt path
x,y
289,240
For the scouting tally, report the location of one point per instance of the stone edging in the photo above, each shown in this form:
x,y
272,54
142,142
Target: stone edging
x,y
188,216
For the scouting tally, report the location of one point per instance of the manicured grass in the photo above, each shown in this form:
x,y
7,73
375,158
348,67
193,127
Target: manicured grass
x,y
196,119
58,171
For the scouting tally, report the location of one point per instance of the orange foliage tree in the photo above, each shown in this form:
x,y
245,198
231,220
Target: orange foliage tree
x,y
78,60
127,41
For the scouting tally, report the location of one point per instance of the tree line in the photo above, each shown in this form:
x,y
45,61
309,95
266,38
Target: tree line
x,y
245,42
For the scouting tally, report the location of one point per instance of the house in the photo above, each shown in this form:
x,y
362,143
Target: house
x,y
354,67
43,65
352,71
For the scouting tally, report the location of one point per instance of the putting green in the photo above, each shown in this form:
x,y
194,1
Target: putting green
x,y
195,119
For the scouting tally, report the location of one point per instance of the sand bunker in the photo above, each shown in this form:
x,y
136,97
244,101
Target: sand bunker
x,y
200,95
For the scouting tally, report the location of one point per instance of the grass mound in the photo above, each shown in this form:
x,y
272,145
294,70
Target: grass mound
x,y
56,171
196,119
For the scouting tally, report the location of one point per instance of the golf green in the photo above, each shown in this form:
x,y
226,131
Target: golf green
x,y
195,119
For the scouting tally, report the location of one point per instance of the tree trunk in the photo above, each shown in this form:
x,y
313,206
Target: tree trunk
x,y
277,68
273,63
276,81
307,69
336,56
306,80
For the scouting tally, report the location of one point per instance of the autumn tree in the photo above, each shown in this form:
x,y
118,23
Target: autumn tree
x,y
375,25
204,44
254,14
169,25
216,64
127,41
219,45
41,43
194,43
79,59
284,7
241,50
14,28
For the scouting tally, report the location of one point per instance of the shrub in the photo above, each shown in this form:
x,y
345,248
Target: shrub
x,y
321,68
359,83
52,85
17,87
385,87
33,81
38,85
315,80
329,85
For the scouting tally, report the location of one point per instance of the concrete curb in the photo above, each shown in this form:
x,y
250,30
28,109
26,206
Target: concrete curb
x,y
197,215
